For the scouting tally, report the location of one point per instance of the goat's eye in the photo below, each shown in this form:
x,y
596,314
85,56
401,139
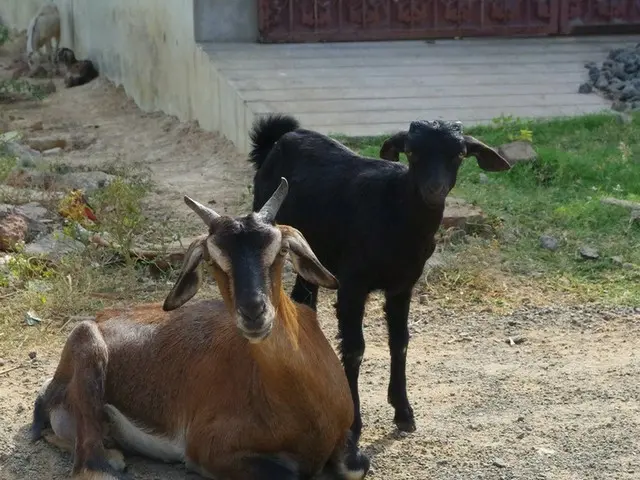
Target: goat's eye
x,y
284,250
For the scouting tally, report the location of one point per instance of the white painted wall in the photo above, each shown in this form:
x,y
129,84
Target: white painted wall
x,y
148,47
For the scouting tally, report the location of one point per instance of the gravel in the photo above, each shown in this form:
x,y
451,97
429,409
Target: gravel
x,y
618,78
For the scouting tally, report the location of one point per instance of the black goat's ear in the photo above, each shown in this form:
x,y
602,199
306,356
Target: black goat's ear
x,y
190,277
305,262
393,147
488,158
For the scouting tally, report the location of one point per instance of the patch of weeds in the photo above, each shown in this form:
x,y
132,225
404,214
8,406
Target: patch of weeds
x,y
119,210
4,34
20,89
580,161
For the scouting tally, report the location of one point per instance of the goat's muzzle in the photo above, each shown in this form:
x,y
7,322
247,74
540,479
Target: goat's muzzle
x,y
254,319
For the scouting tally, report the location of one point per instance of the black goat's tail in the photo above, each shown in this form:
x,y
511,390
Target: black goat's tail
x,y
266,131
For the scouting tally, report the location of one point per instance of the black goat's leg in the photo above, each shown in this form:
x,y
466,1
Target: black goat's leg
x,y
305,292
397,313
350,310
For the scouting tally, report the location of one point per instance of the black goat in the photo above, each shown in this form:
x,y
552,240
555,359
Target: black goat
x,y
371,222
78,72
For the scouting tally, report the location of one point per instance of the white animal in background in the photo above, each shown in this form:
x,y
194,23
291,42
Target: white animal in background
x,y
43,28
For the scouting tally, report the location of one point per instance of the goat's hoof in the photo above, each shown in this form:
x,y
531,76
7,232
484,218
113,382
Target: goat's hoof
x,y
116,460
357,465
404,420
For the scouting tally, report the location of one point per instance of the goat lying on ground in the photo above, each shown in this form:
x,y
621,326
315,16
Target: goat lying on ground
x,y
43,28
370,222
244,388
78,72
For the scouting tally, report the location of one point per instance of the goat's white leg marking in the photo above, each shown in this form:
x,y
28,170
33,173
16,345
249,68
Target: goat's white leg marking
x,y
135,438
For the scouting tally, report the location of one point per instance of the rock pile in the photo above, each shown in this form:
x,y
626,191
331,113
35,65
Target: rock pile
x,y
618,78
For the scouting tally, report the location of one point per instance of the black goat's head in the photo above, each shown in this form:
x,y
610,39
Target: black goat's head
x,y
66,56
435,150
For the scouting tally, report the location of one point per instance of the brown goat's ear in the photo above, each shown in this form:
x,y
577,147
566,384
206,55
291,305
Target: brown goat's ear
x,y
190,277
305,262
488,158
393,147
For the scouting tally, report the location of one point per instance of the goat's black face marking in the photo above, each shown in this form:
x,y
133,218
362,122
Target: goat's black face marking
x,y
436,151
245,249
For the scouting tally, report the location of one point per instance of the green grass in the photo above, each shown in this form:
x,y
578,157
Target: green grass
x,y
581,160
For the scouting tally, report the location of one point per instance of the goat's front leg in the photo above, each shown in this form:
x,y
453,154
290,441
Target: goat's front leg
x,y
350,310
397,314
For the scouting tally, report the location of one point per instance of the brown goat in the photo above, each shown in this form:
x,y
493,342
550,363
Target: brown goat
x,y
247,388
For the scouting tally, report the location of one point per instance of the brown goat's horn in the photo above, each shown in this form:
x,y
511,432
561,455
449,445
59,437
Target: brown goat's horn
x,y
270,209
207,215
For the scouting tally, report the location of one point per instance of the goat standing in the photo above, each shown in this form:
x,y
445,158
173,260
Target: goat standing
x,y
371,223
247,388
43,28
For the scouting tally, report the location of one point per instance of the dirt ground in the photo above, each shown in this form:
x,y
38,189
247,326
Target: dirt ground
x,y
563,404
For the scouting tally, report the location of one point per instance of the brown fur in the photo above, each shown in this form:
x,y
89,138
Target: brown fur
x,y
190,370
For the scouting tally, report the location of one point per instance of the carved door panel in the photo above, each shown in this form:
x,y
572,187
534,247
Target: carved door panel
x,y
598,13
352,20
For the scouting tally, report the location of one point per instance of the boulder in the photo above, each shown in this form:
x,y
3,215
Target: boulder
x,y
13,230
86,181
459,213
518,151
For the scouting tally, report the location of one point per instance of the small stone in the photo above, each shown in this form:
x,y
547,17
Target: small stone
x,y
458,213
423,299
546,451
585,88
619,106
442,463
36,126
624,118
13,230
483,178
589,253
629,92
518,151
47,143
26,155
548,242
628,266
87,181
602,82
617,260
32,355
2,362
498,462
52,152
54,245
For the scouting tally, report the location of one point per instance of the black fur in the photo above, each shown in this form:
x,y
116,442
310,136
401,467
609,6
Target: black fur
x,y
40,419
269,467
371,222
78,72
266,132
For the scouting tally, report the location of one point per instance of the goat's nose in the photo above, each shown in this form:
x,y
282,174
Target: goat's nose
x,y
252,309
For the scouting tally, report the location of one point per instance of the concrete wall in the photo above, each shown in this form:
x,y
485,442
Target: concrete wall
x,y
149,47
226,20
